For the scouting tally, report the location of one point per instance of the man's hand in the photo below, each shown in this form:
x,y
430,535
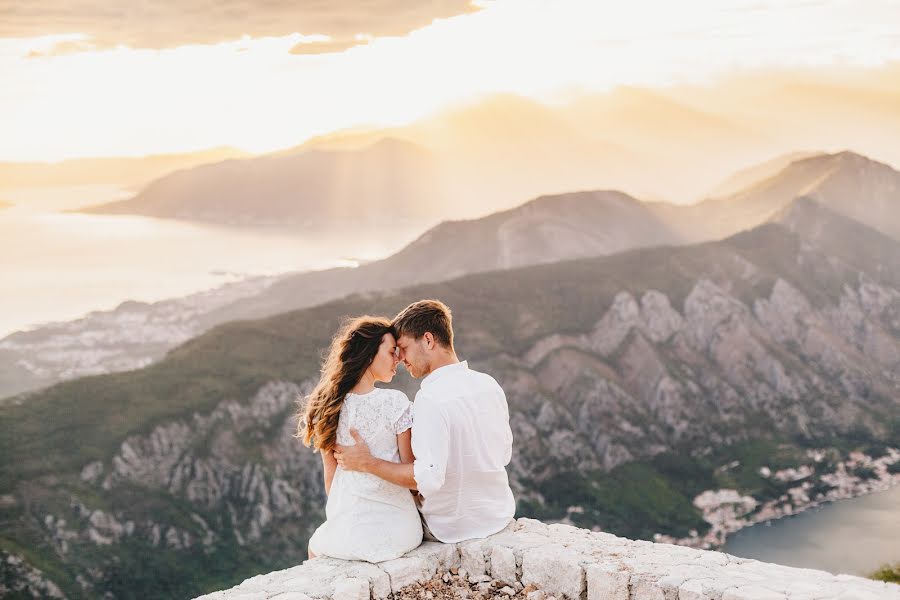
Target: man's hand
x,y
356,457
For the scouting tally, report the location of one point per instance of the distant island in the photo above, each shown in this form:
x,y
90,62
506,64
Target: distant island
x,y
386,181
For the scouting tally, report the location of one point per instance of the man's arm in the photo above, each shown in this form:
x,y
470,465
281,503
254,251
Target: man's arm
x,y
358,458
431,446
399,473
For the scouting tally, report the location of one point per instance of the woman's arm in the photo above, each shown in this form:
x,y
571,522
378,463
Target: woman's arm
x,y
329,465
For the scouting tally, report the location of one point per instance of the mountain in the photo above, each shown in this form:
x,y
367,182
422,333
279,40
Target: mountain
x,y
666,144
669,144
635,382
503,148
756,173
487,155
846,182
372,187
547,229
822,227
126,172
594,141
827,109
461,163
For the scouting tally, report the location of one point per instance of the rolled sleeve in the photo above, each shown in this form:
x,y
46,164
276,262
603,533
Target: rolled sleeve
x,y
430,445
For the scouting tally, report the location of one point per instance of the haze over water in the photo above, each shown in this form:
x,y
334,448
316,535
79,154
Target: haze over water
x,y
60,266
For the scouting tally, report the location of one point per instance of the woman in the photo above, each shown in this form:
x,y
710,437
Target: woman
x,y
367,518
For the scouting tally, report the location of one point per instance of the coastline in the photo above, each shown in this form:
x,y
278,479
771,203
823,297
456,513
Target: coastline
x,y
727,511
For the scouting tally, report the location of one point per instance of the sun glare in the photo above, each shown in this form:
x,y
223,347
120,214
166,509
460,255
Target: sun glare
x,y
62,98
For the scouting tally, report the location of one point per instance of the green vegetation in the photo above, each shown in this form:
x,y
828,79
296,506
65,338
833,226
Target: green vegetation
x,y
51,435
889,573
641,498
864,472
635,500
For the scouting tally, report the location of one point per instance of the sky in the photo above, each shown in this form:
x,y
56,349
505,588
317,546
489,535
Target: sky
x,y
81,79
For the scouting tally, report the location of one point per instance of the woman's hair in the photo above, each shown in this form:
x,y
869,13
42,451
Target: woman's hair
x,y
353,349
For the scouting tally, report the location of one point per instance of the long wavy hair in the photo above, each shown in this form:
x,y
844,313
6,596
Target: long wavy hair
x,y
353,349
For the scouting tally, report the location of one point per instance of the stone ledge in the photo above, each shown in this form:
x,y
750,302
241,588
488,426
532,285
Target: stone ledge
x,y
567,562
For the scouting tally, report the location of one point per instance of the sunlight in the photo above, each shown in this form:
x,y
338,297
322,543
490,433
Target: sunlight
x,y
62,102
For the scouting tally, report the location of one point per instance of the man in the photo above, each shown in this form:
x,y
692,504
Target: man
x,y
461,437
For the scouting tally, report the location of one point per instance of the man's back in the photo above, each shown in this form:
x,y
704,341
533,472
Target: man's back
x,y
462,442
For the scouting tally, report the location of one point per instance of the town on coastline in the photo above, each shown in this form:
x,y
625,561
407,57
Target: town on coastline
x,y
727,510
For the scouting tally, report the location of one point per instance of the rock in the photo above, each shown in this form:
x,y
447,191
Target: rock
x,y
443,556
92,471
605,567
351,588
606,582
503,565
473,560
692,589
554,568
532,525
660,320
405,571
646,587
752,592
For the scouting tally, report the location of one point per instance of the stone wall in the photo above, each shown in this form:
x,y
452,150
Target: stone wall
x,y
565,562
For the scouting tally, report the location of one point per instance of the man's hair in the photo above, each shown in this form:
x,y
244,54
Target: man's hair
x,y
425,316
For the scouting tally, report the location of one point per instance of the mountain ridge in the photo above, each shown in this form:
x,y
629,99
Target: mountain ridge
x,y
311,188
547,228
613,367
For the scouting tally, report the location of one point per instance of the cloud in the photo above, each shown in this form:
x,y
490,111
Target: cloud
x,y
164,24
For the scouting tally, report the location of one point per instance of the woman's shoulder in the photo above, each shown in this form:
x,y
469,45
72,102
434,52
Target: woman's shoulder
x,y
381,394
394,400
396,396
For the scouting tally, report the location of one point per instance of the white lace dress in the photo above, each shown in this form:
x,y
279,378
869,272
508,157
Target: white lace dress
x,y
368,518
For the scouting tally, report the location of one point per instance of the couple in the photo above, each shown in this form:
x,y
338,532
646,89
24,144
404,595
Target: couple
x,y
393,470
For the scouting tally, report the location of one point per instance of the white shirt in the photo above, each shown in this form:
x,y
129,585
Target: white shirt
x,y
462,442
